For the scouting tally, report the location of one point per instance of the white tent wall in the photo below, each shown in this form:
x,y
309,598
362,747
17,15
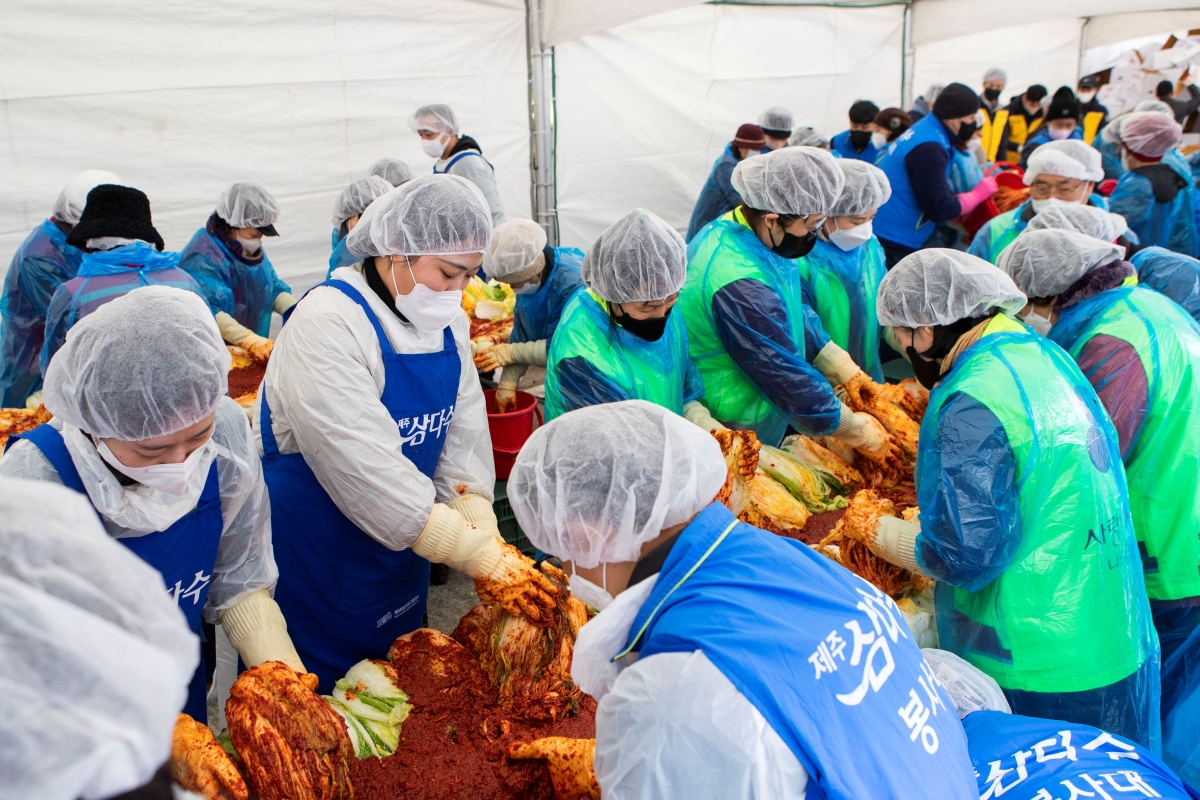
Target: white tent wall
x,y
182,98
645,108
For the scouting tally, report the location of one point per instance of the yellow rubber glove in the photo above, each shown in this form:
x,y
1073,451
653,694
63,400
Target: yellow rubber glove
x,y
232,331
477,511
835,364
695,413
868,436
283,301
896,542
506,396
257,630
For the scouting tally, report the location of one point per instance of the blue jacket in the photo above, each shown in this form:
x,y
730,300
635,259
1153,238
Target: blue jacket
x,y
1173,274
718,195
840,144
900,219
244,291
1160,203
536,315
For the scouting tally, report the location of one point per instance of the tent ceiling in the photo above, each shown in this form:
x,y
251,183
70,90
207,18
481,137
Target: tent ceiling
x,y
1114,28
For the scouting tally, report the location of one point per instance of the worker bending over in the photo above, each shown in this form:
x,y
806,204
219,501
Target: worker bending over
x,y
347,211
1156,194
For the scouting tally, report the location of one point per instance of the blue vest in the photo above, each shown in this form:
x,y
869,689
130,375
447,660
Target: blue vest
x,y
536,315
840,144
824,656
1044,759
457,157
900,219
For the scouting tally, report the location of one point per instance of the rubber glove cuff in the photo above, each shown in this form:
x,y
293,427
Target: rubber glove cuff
x,y
448,539
284,301
695,413
477,511
511,376
835,364
232,331
533,353
968,201
896,542
850,429
257,630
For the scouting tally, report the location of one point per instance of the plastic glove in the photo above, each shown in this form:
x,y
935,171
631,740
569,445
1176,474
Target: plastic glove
x,y
836,364
571,765
506,397
496,356
257,630
477,511
199,764
259,347
968,201
695,413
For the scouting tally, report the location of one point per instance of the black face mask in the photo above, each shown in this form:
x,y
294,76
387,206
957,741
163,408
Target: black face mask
x,y
927,372
860,139
794,246
991,94
966,131
649,329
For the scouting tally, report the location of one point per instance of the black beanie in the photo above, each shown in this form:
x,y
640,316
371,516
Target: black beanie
x,y
863,111
115,211
955,101
1063,106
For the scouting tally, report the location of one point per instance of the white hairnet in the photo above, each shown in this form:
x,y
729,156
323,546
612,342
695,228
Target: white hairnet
x,y
355,198
516,244
73,197
1069,158
436,117
775,118
866,188
145,365
247,205
1080,217
392,170
95,658
1112,131
441,215
797,181
1045,263
940,287
638,259
1147,133
808,137
596,484
995,74
969,688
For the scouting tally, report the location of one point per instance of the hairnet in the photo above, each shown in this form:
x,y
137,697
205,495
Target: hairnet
x,y
638,259
796,181
866,188
775,119
1149,134
1045,263
247,205
940,287
96,658
1112,131
73,197
1080,217
969,688
436,117
596,484
516,244
355,198
391,170
1068,158
432,215
145,365
808,137
995,74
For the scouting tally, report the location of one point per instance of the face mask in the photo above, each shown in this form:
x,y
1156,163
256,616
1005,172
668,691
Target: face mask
x,y
1039,323
860,139
427,310
649,329
433,147
1058,134
966,131
595,596
169,479
878,140
1041,205
849,238
528,288
794,246
250,246
1086,97
992,95
928,372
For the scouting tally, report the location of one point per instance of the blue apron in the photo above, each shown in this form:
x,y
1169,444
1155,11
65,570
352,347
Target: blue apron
x,y
345,596
184,553
824,656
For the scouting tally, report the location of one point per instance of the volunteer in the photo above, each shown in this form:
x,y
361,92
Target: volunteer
x,y
765,360
918,167
1025,520
1109,144
456,153
96,658
718,195
890,125
1181,109
392,170
1156,194
1025,116
856,143
350,205
1173,274
1059,173
1081,218
807,137
544,278
42,262
374,435
618,339
1044,757
227,259
143,428
923,105
1095,115
762,669
1141,353
122,251
1061,123
994,81
840,277
776,124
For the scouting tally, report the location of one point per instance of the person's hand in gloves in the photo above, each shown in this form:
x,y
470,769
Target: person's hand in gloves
x,y
259,347
571,763
257,630
199,764
506,397
968,201
874,521
232,331
869,438
504,354
837,366
695,413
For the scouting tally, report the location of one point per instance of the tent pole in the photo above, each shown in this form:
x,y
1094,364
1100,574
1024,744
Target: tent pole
x,y
541,124
907,60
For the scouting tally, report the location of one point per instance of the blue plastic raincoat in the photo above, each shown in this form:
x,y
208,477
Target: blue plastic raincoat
x,y
1160,204
1173,274
840,286
536,315
244,291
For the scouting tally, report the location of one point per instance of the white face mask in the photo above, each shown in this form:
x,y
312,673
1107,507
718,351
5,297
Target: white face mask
x,y
250,246
595,596
878,140
435,147
1086,97
1041,205
172,479
1039,323
427,310
849,238
1058,134
528,288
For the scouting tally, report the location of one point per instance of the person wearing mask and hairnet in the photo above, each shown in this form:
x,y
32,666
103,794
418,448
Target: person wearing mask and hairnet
x,y
456,153
918,167
776,124
227,259
618,339
799,702
1156,195
143,427
1061,123
1081,218
1058,174
856,143
375,438
348,209
96,658
1109,143
122,251
718,195
764,357
544,279
805,136
41,264
1022,117
923,105
994,81
1071,760
1025,521
840,277
392,170
1141,353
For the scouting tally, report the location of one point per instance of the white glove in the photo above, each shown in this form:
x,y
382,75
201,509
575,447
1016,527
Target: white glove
x,y
449,539
695,413
477,511
257,630
896,542
856,429
283,301
835,364
34,400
